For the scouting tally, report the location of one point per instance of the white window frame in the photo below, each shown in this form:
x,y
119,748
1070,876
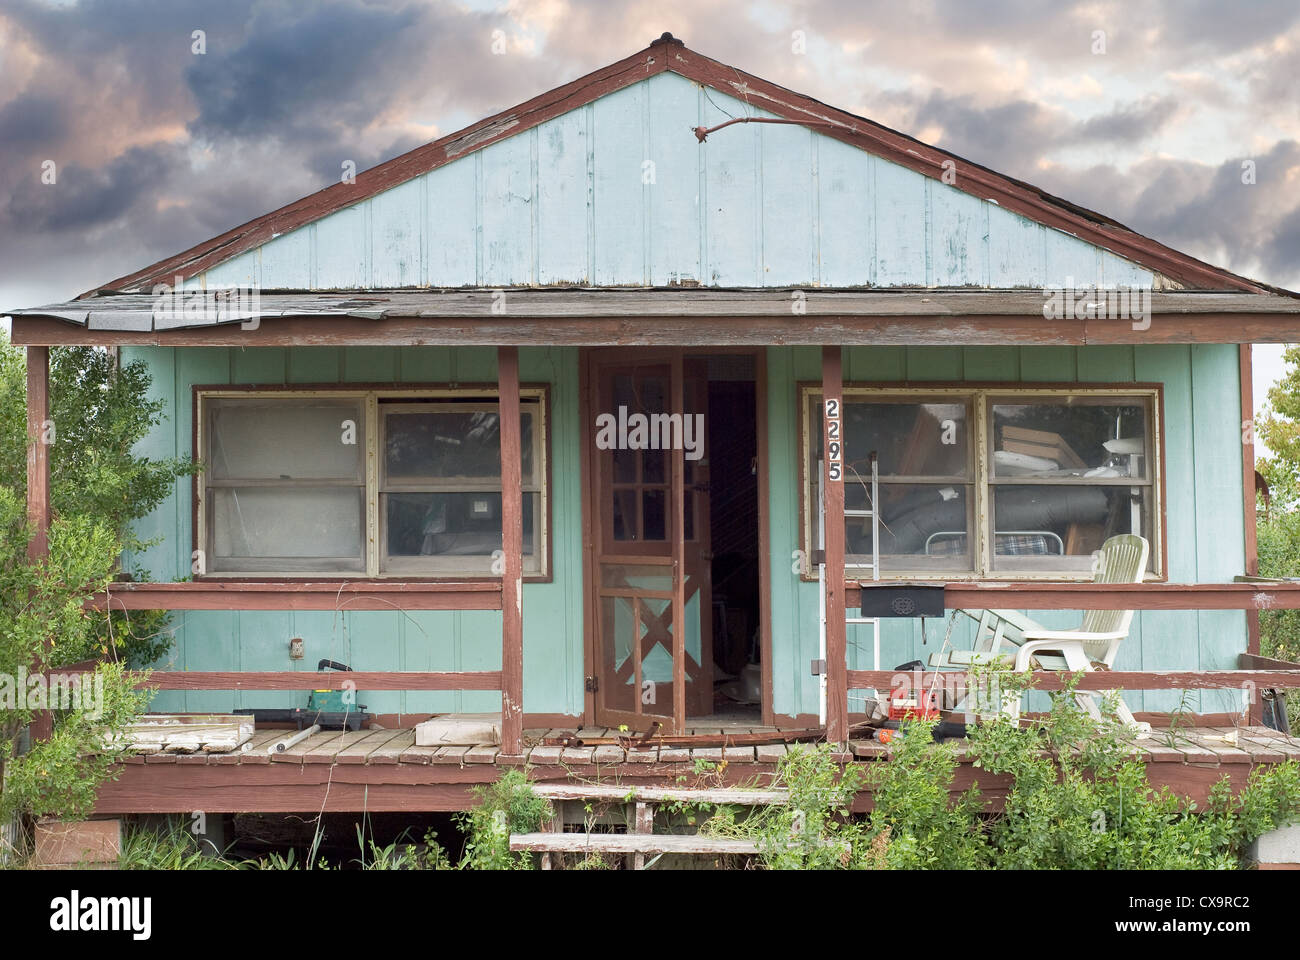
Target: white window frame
x,y
536,566
981,398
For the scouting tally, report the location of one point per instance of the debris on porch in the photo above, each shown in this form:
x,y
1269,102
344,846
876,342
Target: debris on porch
x,y
186,733
467,729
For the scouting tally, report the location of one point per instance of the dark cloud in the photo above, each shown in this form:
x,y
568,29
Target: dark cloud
x,y
32,120
1012,137
81,198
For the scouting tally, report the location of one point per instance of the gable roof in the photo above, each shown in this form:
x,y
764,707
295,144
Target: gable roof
x,y
668,54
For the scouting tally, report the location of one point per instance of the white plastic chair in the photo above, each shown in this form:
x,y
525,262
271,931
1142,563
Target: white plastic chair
x,y
1122,559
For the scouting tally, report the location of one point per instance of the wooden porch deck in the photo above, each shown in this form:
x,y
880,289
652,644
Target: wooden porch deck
x,y
383,770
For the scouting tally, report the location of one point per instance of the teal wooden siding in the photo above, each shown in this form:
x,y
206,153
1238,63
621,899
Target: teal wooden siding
x,y
1202,437
618,192
1201,430
370,640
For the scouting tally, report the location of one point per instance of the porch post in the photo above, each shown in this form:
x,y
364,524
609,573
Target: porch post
x,y
512,544
677,512
38,481
837,692
38,452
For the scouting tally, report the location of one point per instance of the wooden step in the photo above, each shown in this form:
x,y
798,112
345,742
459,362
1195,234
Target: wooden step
x,y
634,794
616,843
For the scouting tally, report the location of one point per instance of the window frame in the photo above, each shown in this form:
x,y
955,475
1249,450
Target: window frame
x,y
373,528
981,397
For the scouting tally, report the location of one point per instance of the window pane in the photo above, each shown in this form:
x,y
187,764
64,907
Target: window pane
x,y
1058,527
922,526
910,439
445,443
285,439
1070,437
450,524
313,528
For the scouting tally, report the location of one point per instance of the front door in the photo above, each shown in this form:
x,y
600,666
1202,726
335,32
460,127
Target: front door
x,y
650,566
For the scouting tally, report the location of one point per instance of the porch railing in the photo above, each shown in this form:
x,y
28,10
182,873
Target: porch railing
x,y
1249,594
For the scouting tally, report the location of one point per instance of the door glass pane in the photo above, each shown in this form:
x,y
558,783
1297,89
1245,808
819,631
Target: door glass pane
x,y
1070,437
654,466
654,515
285,439
636,626
624,465
311,523
625,515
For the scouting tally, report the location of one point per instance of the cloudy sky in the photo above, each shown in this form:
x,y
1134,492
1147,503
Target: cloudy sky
x,y
1142,109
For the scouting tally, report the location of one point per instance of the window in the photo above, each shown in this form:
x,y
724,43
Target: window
x,y
371,483
990,481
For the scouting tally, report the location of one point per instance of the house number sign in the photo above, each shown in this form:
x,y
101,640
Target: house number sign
x,y
834,446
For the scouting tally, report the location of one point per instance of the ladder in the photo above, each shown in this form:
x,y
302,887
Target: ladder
x,y
635,806
874,514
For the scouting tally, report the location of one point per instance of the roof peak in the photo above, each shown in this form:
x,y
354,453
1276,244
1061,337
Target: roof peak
x,y
988,185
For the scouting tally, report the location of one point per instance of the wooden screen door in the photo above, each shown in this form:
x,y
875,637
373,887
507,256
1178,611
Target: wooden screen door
x,y
650,568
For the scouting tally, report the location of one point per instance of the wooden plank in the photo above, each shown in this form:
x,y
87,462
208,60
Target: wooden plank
x,y
615,843
1111,679
1273,740
1259,752
452,754
770,752
738,754
370,595
391,752
482,753
678,514
41,432
608,754
685,331
1224,752
359,750
39,440
1156,750
545,755
1119,596
704,303
837,686
319,745
257,743
306,680
649,794
512,527
577,754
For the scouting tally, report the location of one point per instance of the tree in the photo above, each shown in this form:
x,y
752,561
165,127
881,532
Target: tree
x,y
98,486
100,411
1278,426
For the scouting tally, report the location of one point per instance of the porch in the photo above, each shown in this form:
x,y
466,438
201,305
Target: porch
x,y
384,771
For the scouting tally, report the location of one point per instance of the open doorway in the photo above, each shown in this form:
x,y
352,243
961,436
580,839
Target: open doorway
x,y
731,443
666,646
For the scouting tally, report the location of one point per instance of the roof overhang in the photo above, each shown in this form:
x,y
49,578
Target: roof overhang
x,y
678,316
